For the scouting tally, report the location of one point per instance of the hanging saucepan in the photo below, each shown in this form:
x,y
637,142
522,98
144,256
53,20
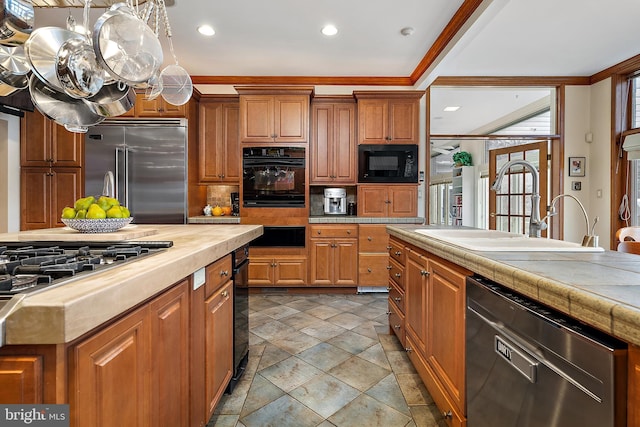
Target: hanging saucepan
x,y
13,60
16,21
112,100
77,69
125,45
73,114
42,49
10,83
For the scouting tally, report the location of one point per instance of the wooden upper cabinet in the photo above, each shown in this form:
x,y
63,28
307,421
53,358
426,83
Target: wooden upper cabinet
x,y
157,107
388,200
333,145
45,143
219,148
274,115
388,117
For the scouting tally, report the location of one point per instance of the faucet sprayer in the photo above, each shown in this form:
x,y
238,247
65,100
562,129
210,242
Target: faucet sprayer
x,y
535,224
589,238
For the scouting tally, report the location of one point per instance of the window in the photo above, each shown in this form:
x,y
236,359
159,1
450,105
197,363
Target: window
x,y
632,214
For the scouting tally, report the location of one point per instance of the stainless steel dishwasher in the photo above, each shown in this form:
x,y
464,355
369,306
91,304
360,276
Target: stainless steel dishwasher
x,y
530,366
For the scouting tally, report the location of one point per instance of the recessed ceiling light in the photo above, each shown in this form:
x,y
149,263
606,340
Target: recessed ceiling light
x,y
407,31
451,108
329,30
206,30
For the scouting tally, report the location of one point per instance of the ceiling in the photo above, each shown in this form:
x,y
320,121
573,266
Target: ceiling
x,y
267,41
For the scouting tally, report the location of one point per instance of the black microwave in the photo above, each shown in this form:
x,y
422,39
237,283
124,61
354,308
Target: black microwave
x,y
387,163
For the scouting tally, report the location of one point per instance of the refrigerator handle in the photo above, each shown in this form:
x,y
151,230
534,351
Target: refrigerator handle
x,y
117,177
126,176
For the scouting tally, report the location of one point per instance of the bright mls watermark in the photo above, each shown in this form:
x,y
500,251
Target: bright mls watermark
x,y
34,415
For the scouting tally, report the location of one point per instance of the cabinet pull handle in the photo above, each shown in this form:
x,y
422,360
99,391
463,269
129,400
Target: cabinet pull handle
x,y
397,253
396,326
388,313
447,415
398,275
224,273
389,267
424,273
398,299
273,264
225,294
389,248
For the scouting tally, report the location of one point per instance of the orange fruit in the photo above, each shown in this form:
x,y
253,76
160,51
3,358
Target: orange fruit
x,y
226,210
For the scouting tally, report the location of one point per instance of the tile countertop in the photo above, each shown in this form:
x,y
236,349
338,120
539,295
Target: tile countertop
x,y
61,314
601,289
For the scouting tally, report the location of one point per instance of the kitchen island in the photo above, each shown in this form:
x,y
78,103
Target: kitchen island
x,y
427,304
145,343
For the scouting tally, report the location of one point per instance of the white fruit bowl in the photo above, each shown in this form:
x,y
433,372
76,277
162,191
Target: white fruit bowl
x,y
106,225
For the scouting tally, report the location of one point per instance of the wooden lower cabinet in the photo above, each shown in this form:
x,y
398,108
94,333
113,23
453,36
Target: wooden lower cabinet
x,y
22,379
218,344
633,387
434,324
373,255
285,270
333,253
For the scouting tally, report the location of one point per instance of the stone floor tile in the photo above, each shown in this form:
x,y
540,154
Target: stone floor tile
x,y
302,304
352,342
261,393
427,416
388,392
375,354
279,311
368,329
324,356
296,342
255,340
272,355
223,421
400,362
299,320
390,342
272,330
290,373
359,373
345,305
367,411
258,303
325,394
347,320
414,391
323,330
284,412
323,311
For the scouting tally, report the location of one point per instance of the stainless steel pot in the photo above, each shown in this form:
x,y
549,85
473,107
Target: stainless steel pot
x,y
16,21
126,47
77,69
10,83
112,100
74,114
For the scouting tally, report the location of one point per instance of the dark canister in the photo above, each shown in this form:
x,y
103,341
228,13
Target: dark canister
x,y
352,208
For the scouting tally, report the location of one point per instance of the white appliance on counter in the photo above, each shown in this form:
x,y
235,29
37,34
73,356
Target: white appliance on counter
x,y
335,201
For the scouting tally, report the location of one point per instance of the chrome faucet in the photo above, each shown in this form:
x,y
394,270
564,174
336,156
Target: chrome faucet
x,y
589,238
535,224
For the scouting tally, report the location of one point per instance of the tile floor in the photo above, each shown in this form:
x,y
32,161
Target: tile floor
x,y
325,360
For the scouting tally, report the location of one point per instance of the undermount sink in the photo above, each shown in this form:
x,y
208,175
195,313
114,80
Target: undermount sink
x,y
502,241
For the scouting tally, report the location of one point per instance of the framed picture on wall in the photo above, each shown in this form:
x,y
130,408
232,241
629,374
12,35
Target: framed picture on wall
x,y
576,166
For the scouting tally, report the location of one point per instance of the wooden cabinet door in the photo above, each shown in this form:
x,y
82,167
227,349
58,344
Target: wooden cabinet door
x,y
321,147
403,121
397,322
372,269
416,283
35,147
333,149
373,238
35,196
22,379
169,316
260,271
157,107
219,148
67,148
256,119
345,167
291,115
446,328
373,121
290,271
372,200
218,344
109,375
633,384
67,185
345,260
321,255
403,201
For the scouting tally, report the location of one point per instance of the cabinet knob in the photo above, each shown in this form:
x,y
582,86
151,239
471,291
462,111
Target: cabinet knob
x,y
319,232
424,273
396,326
408,349
389,248
389,267
368,269
397,253
397,299
224,273
369,238
224,294
388,313
273,264
398,275
388,138
348,231
388,288
447,415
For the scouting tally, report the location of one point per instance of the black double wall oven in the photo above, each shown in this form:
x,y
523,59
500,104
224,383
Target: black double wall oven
x,y
273,177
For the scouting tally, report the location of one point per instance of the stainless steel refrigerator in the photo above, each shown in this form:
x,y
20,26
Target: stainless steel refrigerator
x,y
149,161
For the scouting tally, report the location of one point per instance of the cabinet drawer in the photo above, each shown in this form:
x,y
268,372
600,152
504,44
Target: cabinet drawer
x,y
373,238
372,269
333,231
396,322
217,274
396,295
396,273
396,251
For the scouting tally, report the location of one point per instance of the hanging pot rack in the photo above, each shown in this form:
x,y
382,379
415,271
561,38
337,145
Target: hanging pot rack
x,y
80,3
